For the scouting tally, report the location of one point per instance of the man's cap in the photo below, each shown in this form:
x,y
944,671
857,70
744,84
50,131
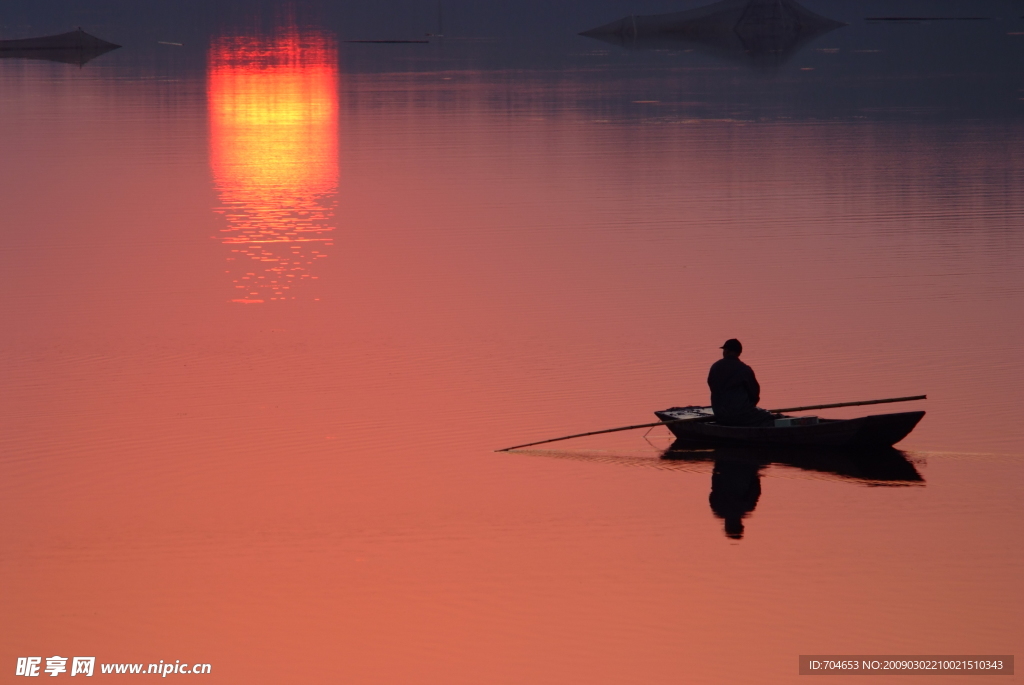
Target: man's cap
x,y
733,345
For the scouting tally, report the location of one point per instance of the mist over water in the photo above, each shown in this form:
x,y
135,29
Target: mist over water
x,y
273,299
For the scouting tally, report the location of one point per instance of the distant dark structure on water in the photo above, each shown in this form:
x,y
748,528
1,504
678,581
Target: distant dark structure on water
x,y
763,30
74,47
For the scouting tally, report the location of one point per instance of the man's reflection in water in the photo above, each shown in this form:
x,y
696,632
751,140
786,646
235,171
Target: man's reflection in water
x,y
735,489
736,475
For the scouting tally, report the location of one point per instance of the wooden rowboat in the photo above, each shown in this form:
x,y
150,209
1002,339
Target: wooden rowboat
x,y
880,430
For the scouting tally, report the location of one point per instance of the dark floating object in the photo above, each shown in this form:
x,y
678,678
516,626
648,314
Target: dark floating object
x,y
74,47
386,41
866,432
927,18
759,29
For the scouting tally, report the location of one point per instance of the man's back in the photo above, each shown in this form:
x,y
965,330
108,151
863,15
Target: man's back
x,y
735,391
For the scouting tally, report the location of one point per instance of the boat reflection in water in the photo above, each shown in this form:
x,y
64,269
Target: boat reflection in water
x,y
273,108
765,31
736,478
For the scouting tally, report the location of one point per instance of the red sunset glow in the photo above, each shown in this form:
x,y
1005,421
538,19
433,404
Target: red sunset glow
x,y
273,151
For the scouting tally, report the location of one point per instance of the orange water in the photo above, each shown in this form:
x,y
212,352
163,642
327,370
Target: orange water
x,y
295,481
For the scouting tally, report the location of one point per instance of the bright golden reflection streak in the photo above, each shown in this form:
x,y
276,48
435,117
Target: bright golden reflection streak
x,y
274,153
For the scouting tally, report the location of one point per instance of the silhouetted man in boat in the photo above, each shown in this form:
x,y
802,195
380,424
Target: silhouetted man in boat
x,y
735,391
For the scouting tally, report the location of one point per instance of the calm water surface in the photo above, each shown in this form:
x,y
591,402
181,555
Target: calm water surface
x,y
271,301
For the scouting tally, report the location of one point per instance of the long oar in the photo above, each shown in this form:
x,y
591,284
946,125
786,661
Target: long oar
x,y
711,418
849,404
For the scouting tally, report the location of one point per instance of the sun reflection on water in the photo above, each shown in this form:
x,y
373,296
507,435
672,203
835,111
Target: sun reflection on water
x,y
273,108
